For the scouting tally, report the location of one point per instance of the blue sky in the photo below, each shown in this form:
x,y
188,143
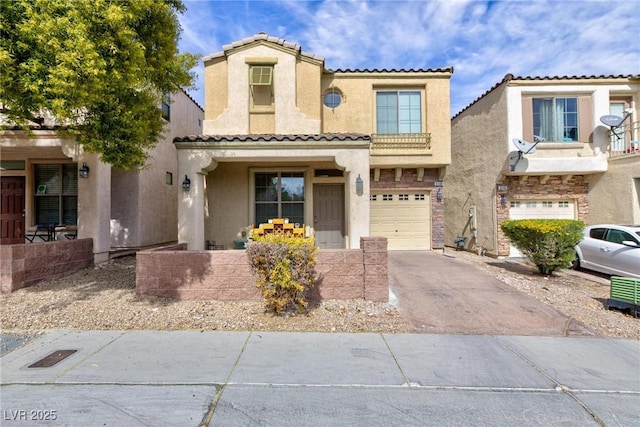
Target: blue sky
x,y
482,40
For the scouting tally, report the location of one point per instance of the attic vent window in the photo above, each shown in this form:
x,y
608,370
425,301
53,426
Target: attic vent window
x,y
261,76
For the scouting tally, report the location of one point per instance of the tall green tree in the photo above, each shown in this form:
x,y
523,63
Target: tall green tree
x,y
99,66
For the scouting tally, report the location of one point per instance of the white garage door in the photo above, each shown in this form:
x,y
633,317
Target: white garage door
x,y
403,217
540,209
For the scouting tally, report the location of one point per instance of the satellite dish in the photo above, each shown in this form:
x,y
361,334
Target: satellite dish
x,y
524,146
611,120
614,122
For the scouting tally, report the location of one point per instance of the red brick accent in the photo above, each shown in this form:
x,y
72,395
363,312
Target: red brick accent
x,y
25,264
532,189
226,275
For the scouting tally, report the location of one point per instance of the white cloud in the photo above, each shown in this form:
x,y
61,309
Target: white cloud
x,y
482,40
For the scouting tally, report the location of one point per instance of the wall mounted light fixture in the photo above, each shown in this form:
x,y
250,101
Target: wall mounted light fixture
x,y
359,186
83,171
439,195
186,184
503,200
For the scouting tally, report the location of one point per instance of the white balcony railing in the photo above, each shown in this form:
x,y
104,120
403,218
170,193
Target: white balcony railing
x,y
625,140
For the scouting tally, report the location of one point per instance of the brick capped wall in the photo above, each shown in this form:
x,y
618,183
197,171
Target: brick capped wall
x,y
25,264
532,189
226,275
409,180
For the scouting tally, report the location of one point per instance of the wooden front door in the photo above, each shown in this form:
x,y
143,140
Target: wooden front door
x,y
12,210
328,215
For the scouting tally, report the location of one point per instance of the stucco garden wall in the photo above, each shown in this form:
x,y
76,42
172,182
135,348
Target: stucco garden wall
x,y
28,263
173,272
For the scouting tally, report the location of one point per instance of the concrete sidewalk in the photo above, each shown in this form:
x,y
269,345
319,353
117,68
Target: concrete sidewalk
x,y
190,378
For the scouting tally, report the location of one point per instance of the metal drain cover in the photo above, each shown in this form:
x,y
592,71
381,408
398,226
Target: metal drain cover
x,y
52,359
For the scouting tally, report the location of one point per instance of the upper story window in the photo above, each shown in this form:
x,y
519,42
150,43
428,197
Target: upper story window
x,y
398,112
166,107
261,83
333,98
556,119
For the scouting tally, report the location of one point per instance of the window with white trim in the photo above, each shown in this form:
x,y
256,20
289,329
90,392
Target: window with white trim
x,y
556,119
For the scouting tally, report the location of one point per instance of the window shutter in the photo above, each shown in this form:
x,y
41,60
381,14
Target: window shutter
x,y
527,119
585,119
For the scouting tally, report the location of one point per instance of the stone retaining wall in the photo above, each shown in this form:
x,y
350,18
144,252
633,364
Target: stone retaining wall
x,y
25,264
173,272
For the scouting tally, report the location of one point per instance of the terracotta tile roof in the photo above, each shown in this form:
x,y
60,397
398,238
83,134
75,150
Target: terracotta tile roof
x,y
275,137
262,37
394,70
509,77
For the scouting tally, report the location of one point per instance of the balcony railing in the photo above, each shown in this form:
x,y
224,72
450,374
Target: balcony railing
x,y
401,143
625,140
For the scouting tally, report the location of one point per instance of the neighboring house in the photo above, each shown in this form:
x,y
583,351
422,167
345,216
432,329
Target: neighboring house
x,y
580,171
344,153
42,184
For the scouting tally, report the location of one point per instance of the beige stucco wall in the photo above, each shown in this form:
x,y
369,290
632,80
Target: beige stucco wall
x,y
614,197
357,111
478,154
228,103
144,208
221,183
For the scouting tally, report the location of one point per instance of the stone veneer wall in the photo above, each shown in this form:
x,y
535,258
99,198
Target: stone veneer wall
x,y
25,264
532,189
176,273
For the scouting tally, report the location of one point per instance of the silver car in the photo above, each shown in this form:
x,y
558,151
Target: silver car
x,y
610,249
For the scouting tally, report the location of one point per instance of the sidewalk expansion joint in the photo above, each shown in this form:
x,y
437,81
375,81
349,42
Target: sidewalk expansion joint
x,y
212,408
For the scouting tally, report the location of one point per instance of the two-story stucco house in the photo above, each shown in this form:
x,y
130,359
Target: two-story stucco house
x,y
535,147
342,153
48,179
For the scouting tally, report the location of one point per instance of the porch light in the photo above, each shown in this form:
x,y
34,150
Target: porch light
x,y
439,195
359,186
186,184
84,171
503,200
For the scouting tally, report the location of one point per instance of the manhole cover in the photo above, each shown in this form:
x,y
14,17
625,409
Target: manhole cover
x,y
52,359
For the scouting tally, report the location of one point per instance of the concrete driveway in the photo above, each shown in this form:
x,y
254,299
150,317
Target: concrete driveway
x,y
436,293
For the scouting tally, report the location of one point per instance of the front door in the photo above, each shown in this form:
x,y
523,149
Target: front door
x,y
328,215
12,210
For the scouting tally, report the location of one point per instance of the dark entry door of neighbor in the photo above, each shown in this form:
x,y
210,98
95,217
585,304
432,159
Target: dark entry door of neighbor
x,y
12,210
328,215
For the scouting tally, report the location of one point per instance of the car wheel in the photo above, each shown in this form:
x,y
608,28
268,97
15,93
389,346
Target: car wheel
x,y
575,264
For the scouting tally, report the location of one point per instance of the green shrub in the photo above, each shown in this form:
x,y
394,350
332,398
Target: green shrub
x,y
285,270
548,243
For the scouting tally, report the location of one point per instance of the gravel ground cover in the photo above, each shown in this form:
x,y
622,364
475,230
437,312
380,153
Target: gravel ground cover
x,y
104,297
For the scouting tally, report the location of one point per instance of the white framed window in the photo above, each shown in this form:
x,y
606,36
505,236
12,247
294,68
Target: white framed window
x,y
373,197
387,197
514,204
332,98
403,197
398,112
547,205
556,119
563,204
419,197
531,204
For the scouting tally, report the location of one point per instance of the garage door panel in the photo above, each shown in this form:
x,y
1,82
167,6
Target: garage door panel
x,y
404,218
540,209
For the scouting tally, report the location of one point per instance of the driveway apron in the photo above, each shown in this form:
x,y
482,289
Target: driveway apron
x,y
436,293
